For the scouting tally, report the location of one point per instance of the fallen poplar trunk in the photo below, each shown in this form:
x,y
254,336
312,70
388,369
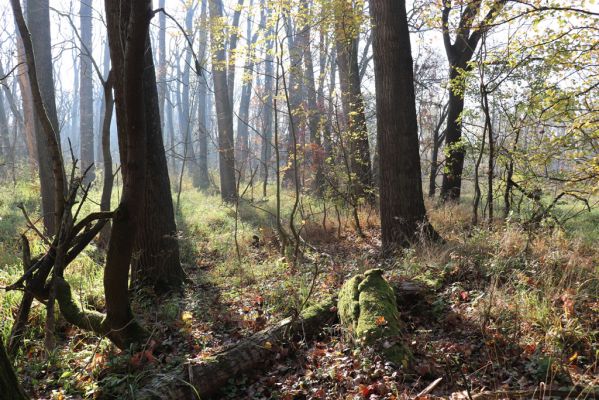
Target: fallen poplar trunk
x,y
204,379
368,309
207,378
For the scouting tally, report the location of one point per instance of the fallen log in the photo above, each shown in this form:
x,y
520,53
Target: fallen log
x,y
368,310
206,378
200,380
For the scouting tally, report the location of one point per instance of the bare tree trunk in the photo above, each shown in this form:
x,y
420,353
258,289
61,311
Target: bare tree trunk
x,y
204,178
27,106
185,108
316,156
127,54
296,96
105,72
232,48
346,32
38,14
224,111
267,127
86,88
403,216
161,67
157,263
437,140
243,145
107,156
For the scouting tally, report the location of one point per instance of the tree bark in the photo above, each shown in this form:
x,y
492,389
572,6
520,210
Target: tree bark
x,y
224,112
127,54
185,109
403,216
107,156
161,67
346,32
204,178
9,384
267,120
86,88
156,263
316,157
38,18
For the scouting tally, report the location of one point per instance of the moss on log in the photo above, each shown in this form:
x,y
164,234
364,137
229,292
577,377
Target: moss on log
x,y
368,309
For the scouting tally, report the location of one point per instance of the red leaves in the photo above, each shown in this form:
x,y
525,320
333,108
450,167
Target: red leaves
x,y
144,357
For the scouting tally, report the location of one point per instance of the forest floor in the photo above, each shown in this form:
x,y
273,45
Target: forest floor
x,y
505,308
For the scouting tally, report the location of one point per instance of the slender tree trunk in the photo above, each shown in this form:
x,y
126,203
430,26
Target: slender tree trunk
x,y
161,67
232,48
4,139
27,107
107,156
267,127
296,98
105,72
403,216
437,139
38,14
185,108
204,178
224,111
509,175
454,162
243,145
86,101
316,153
346,32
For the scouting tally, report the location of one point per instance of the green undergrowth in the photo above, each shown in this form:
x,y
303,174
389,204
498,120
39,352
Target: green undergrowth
x,y
531,291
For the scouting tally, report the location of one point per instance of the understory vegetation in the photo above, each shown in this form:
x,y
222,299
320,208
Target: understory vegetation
x,y
500,308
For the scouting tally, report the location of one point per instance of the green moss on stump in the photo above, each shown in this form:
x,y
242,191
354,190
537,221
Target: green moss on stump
x,y
368,308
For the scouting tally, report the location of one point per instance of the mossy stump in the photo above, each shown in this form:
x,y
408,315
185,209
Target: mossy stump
x,y
368,309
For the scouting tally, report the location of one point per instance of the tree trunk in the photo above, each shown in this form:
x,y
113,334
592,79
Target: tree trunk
x,y
403,216
127,55
243,121
267,120
454,162
161,67
107,156
204,178
27,107
232,48
459,53
185,108
224,112
346,32
86,88
437,140
9,385
294,87
38,16
156,263
315,153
